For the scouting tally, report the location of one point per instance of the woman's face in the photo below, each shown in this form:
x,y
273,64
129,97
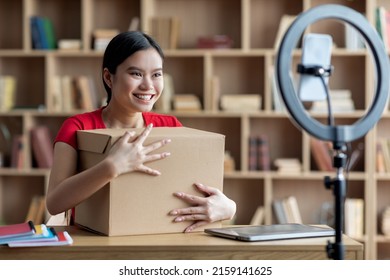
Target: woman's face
x,y
138,81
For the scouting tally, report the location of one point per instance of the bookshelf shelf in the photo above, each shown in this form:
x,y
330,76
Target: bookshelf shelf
x,y
244,69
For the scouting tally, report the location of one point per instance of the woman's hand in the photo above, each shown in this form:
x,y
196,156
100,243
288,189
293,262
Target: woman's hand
x,y
129,153
204,210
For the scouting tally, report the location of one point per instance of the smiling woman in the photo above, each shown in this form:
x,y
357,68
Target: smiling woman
x,y
132,74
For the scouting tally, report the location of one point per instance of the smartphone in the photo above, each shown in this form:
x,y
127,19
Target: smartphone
x,y
316,51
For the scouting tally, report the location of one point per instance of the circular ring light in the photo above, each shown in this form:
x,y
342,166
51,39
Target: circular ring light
x,y
342,133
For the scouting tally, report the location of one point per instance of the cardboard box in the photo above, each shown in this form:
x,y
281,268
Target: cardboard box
x,y
137,203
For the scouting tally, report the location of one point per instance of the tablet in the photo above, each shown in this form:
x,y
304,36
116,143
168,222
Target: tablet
x,y
271,232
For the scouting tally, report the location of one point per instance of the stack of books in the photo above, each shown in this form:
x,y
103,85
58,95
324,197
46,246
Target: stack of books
x,y
341,102
288,165
28,234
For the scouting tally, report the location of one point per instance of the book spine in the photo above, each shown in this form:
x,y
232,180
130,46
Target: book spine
x,y
42,146
263,154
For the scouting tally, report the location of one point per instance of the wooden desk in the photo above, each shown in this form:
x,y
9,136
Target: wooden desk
x,y
188,246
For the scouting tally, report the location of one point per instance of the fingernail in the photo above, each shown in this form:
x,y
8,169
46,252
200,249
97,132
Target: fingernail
x,y
173,212
179,219
166,141
166,154
150,125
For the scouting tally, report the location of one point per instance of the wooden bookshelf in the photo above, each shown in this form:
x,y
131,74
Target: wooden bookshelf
x,y
243,69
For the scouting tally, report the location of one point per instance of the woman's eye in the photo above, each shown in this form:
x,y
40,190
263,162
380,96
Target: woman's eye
x,y
136,74
158,74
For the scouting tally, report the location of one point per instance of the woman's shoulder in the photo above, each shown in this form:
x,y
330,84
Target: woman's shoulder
x,y
87,120
160,119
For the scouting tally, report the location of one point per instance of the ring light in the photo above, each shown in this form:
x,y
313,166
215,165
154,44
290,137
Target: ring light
x,y
342,133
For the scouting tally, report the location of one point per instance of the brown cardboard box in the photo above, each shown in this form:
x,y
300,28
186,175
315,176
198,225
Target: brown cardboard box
x,y
137,203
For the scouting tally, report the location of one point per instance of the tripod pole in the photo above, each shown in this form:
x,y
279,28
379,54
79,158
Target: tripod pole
x,y
336,250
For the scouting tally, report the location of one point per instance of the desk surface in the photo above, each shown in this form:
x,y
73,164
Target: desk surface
x,y
197,245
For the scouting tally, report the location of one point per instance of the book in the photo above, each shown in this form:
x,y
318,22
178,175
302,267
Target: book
x,y
241,102
341,102
286,210
259,154
380,159
353,39
252,156
279,211
17,153
42,146
8,85
354,217
284,24
258,217
166,31
17,230
134,24
385,222
385,151
321,154
42,33
69,44
62,239
42,233
101,38
187,102
36,211
164,103
214,42
288,165
263,153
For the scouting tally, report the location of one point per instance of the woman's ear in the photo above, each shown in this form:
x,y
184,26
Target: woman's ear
x,y
107,77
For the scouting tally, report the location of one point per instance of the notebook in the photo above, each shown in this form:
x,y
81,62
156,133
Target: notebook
x,y
271,232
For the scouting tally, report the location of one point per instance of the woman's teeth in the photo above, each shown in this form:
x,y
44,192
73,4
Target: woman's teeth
x,y
144,96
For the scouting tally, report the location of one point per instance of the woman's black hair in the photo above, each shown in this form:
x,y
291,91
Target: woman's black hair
x,y
121,47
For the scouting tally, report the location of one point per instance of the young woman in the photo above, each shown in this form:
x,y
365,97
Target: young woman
x,y
132,75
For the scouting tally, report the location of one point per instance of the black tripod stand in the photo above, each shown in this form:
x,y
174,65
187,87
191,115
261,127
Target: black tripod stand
x,y
336,250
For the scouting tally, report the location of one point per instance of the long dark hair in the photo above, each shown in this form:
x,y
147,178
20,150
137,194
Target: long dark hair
x,y
121,47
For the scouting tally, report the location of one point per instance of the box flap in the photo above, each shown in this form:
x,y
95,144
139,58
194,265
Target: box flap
x,y
92,142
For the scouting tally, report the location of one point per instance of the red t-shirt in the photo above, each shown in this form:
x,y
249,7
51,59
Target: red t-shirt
x,y
93,120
